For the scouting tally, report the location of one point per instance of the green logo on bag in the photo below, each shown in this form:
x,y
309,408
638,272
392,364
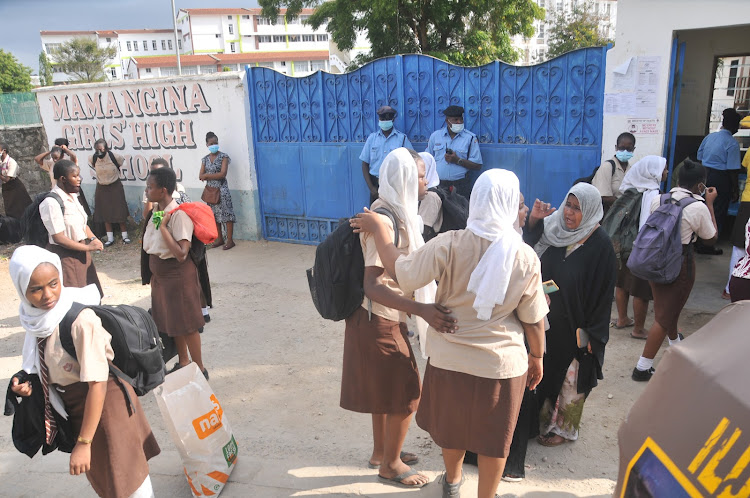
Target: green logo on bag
x,y
230,452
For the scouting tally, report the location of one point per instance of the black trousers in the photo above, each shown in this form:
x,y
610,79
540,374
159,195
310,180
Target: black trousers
x,y
526,428
375,183
722,181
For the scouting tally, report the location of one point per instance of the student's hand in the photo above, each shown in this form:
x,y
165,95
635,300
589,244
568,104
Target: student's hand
x,y
541,210
201,177
439,318
535,373
711,195
64,148
80,459
451,157
369,222
21,389
95,245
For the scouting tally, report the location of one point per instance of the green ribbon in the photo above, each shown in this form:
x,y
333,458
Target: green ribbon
x,y
157,218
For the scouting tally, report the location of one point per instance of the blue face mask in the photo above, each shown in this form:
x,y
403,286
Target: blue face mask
x,y
385,125
213,149
457,128
624,155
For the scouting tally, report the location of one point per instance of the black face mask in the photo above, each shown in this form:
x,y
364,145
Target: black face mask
x,y
101,155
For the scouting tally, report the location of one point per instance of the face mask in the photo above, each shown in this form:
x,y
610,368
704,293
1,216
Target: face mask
x,y
457,128
100,155
702,191
624,155
385,125
213,149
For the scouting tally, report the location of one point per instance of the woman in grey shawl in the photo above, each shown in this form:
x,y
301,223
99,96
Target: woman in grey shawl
x,y
578,256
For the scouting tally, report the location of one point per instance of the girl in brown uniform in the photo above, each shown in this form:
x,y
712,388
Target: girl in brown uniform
x,y
114,443
175,292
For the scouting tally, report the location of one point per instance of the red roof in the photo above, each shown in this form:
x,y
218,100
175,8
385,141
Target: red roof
x,y
66,33
213,59
171,60
137,31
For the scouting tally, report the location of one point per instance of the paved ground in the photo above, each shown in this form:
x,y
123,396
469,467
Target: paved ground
x,y
275,367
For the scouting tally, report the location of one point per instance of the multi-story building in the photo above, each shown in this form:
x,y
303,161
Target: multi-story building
x,y
534,50
288,46
128,42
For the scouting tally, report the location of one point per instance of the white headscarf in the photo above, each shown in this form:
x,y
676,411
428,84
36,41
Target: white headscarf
x,y
430,173
556,234
399,191
37,322
645,176
493,214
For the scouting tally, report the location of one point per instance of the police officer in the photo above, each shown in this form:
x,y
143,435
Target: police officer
x,y
378,145
456,151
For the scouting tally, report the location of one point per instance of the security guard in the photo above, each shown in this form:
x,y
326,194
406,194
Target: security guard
x,y
378,145
456,151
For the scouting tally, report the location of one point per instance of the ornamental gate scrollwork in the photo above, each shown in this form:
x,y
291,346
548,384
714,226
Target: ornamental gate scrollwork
x,y
544,122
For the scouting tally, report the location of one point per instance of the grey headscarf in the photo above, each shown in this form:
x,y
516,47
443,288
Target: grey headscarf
x,y
556,234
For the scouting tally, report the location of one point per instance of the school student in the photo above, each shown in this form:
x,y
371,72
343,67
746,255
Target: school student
x,y
15,196
180,196
476,375
69,235
431,207
114,442
698,221
109,199
609,176
175,292
47,160
379,374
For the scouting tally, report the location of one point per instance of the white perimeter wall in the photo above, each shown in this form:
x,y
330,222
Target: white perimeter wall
x,y
167,118
645,28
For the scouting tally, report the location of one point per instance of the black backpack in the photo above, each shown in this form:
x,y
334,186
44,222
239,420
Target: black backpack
x,y
11,230
590,178
621,223
135,342
34,231
336,279
455,209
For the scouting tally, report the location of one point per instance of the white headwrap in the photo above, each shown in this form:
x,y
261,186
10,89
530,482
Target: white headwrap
x,y
556,234
430,172
645,176
399,190
493,214
37,322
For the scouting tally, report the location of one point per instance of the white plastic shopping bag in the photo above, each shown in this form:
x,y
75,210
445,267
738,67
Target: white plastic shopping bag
x,y
199,429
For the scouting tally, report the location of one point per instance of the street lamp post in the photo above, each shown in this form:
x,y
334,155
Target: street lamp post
x,y
176,40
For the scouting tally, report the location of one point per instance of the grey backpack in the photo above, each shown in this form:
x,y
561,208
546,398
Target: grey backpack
x,y
657,251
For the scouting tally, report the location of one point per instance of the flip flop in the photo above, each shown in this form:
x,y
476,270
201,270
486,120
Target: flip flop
x,y
547,441
229,245
412,461
638,337
613,324
396,481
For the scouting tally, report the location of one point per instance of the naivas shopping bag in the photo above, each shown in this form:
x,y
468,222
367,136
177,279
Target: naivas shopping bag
x,y
199,429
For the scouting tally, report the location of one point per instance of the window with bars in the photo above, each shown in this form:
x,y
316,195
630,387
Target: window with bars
x,y
153,44
308,38
322,37
232,48
293,38
231,29
169,44
145,46
732,84
264,38
264,21
163,44
135,46
278,38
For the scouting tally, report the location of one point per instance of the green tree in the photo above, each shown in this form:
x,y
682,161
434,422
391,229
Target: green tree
x,y
83,59
14,76
580,28
464,32
45,70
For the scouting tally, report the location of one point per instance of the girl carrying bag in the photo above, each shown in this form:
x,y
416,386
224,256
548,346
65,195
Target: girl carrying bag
x,y
199,429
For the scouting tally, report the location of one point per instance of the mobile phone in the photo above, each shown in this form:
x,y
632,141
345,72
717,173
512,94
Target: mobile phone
x,y
582,338
550,286
449,151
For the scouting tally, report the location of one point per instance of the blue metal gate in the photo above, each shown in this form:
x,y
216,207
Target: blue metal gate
x,y
543,122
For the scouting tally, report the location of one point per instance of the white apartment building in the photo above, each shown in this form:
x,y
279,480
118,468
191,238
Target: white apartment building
x,y
288,46
534,50
128,42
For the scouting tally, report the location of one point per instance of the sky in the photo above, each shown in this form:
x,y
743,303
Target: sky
x,y
21,20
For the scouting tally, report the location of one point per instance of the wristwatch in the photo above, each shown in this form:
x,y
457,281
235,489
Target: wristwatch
x,y
459,161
